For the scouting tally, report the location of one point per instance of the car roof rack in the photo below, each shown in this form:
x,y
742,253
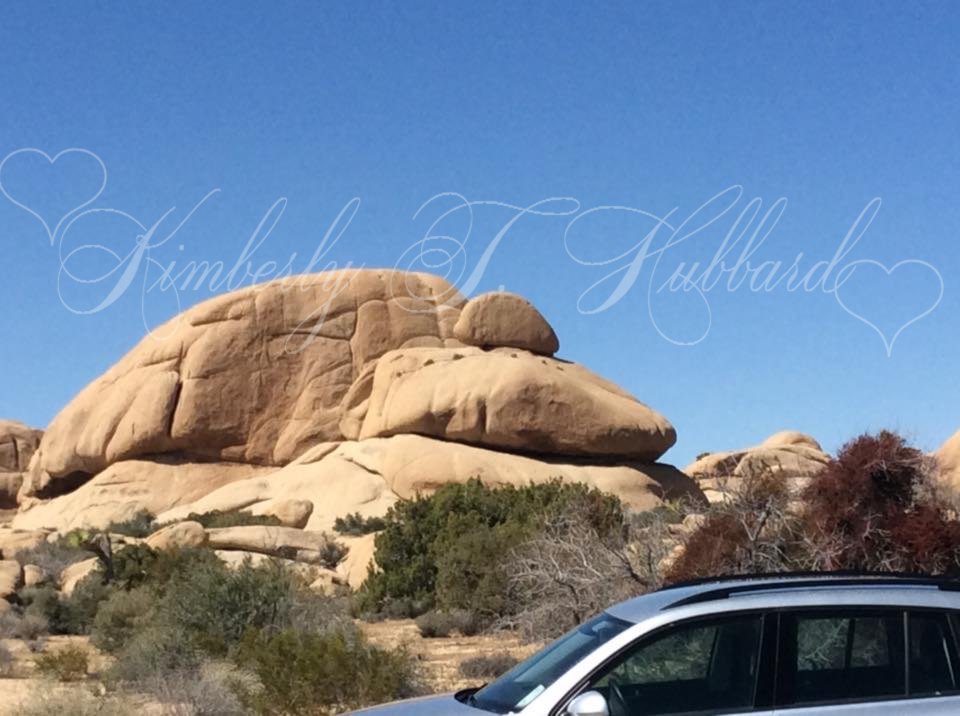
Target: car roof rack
x,y
728,587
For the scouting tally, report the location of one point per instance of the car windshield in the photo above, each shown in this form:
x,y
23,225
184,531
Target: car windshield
x,y
522,684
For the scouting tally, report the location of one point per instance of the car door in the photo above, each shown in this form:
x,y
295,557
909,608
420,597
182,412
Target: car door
x,y
712,665
866,661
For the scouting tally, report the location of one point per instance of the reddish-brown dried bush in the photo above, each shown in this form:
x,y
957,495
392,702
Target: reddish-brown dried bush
x,y
751,531
874,508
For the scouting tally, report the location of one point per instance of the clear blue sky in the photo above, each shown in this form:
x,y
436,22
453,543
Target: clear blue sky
x,y
657,107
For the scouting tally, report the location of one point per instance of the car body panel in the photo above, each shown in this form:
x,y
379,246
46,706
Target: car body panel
x,y
653,611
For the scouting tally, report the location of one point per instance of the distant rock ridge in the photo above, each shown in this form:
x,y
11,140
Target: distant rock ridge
x,y
794,456
344,391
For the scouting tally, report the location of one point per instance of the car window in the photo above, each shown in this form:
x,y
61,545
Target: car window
x,y
700,667
841,656
525,682
931,655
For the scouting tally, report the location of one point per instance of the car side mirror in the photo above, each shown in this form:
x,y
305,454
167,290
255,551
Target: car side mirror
x,y
589,703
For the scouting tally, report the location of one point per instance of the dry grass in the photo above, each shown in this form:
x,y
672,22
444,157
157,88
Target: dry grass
x,y
440,659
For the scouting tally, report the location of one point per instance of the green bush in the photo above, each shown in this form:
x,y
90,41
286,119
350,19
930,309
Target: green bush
x,y
304,673
332,553
120,616
443,551
356,525
215,604
487,667
216,518
151,652
68,663
139,564
140,525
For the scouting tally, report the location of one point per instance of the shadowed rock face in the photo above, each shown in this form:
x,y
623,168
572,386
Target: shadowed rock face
x,y
17,446
345,391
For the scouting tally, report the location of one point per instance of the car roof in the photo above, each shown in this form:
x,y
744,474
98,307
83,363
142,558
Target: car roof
x,y
794,590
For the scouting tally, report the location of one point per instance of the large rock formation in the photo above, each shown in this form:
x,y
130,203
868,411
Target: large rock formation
x,y
253,376
17,445
948,461
794,456
314,397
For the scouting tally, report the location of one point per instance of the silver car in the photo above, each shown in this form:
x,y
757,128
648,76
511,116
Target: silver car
x,y
800,644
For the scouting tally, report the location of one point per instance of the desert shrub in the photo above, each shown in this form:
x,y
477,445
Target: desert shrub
x,y
215,604
140,525
442,551
875,507
753,530
304,673
702,455
120,616
73,614
566,573
54,557
441,624
216,518
151,652
332,553
17,625
139,564
487,667
356,525
68,663
210,689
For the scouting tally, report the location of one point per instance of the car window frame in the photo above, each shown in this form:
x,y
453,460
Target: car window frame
x,y
763,688
953,655
952,617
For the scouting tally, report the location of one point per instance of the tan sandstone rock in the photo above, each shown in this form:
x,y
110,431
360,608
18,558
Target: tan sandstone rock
x,y
11,578
337,479
34,575
286,542
505,319
368,476
126,488
508,399
182,535
948,460
291,513
794,456
76,573
18,442
252,376
13,541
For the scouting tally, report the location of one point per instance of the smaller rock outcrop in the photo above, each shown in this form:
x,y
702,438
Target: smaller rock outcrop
x,y
793,455
505,319
18,442
181,535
